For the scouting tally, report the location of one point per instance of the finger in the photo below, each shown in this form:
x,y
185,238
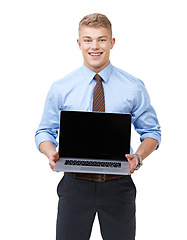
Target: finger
x,y
52,164
132,170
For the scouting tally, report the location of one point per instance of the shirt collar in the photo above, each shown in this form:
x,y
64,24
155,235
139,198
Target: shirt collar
x,y
105,73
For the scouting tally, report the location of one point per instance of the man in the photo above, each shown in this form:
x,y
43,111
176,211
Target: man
x,y
82,195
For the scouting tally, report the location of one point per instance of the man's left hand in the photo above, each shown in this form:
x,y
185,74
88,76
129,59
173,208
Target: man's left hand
x,y
133,162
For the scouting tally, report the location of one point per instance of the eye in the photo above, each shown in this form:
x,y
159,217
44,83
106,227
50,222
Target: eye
x,y
102,40
87,40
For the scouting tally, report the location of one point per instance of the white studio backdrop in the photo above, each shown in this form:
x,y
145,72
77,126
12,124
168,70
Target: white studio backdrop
x,y
38,46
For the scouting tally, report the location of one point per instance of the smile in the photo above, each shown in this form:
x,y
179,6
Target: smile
x,y
95,54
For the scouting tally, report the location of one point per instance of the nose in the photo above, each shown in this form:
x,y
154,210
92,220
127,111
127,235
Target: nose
x,y
95,45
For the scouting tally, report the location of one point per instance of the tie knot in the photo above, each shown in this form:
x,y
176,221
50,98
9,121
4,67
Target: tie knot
x,y
98,78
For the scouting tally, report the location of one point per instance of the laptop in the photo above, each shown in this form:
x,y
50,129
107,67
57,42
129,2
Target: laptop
x,y
94,142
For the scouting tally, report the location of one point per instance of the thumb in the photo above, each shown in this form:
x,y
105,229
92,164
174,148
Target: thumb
x,y
56,156
129,156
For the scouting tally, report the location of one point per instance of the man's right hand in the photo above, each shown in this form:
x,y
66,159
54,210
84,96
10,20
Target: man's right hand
x,y
49,149
52,160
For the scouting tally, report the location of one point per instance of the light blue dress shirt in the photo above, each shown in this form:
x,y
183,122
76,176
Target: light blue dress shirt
x,y
123,94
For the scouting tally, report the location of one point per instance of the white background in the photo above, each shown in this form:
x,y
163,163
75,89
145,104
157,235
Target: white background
x,y
38,46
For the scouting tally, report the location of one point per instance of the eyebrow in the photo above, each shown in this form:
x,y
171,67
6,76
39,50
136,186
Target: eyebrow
x,y
103,37
86,37
98,37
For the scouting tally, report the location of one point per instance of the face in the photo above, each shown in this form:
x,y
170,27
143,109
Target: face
x,y
95,44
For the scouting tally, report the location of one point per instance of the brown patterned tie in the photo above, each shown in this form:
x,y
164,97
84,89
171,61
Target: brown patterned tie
x,y
98,96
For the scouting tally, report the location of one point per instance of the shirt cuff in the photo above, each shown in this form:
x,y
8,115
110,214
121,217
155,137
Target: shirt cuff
x,y
154,136
42,137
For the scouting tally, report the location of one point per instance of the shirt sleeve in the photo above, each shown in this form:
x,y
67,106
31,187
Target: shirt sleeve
x,y
144,117
49,125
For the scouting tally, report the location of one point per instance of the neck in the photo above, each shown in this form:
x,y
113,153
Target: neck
x,y
97,69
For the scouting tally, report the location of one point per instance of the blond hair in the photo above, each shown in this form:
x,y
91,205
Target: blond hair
x,y
96,20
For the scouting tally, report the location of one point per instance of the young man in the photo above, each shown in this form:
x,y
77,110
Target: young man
x,y
82,195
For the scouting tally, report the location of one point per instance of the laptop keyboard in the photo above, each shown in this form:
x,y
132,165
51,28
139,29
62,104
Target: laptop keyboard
x,y
93,163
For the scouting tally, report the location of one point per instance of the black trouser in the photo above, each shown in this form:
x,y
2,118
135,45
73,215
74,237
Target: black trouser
x,y
79,200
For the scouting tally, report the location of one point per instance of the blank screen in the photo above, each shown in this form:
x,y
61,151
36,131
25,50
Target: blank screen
x,y
94,135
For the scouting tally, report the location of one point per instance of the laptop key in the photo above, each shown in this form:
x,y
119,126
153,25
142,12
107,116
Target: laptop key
x,y
93,163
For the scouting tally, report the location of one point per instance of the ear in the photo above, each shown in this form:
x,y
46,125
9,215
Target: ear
x,y
79,43
112,42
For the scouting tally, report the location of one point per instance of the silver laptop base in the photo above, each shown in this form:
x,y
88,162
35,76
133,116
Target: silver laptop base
x,y
123,170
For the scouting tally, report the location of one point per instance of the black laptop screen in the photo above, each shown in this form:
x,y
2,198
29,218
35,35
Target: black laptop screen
x,y
94,135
